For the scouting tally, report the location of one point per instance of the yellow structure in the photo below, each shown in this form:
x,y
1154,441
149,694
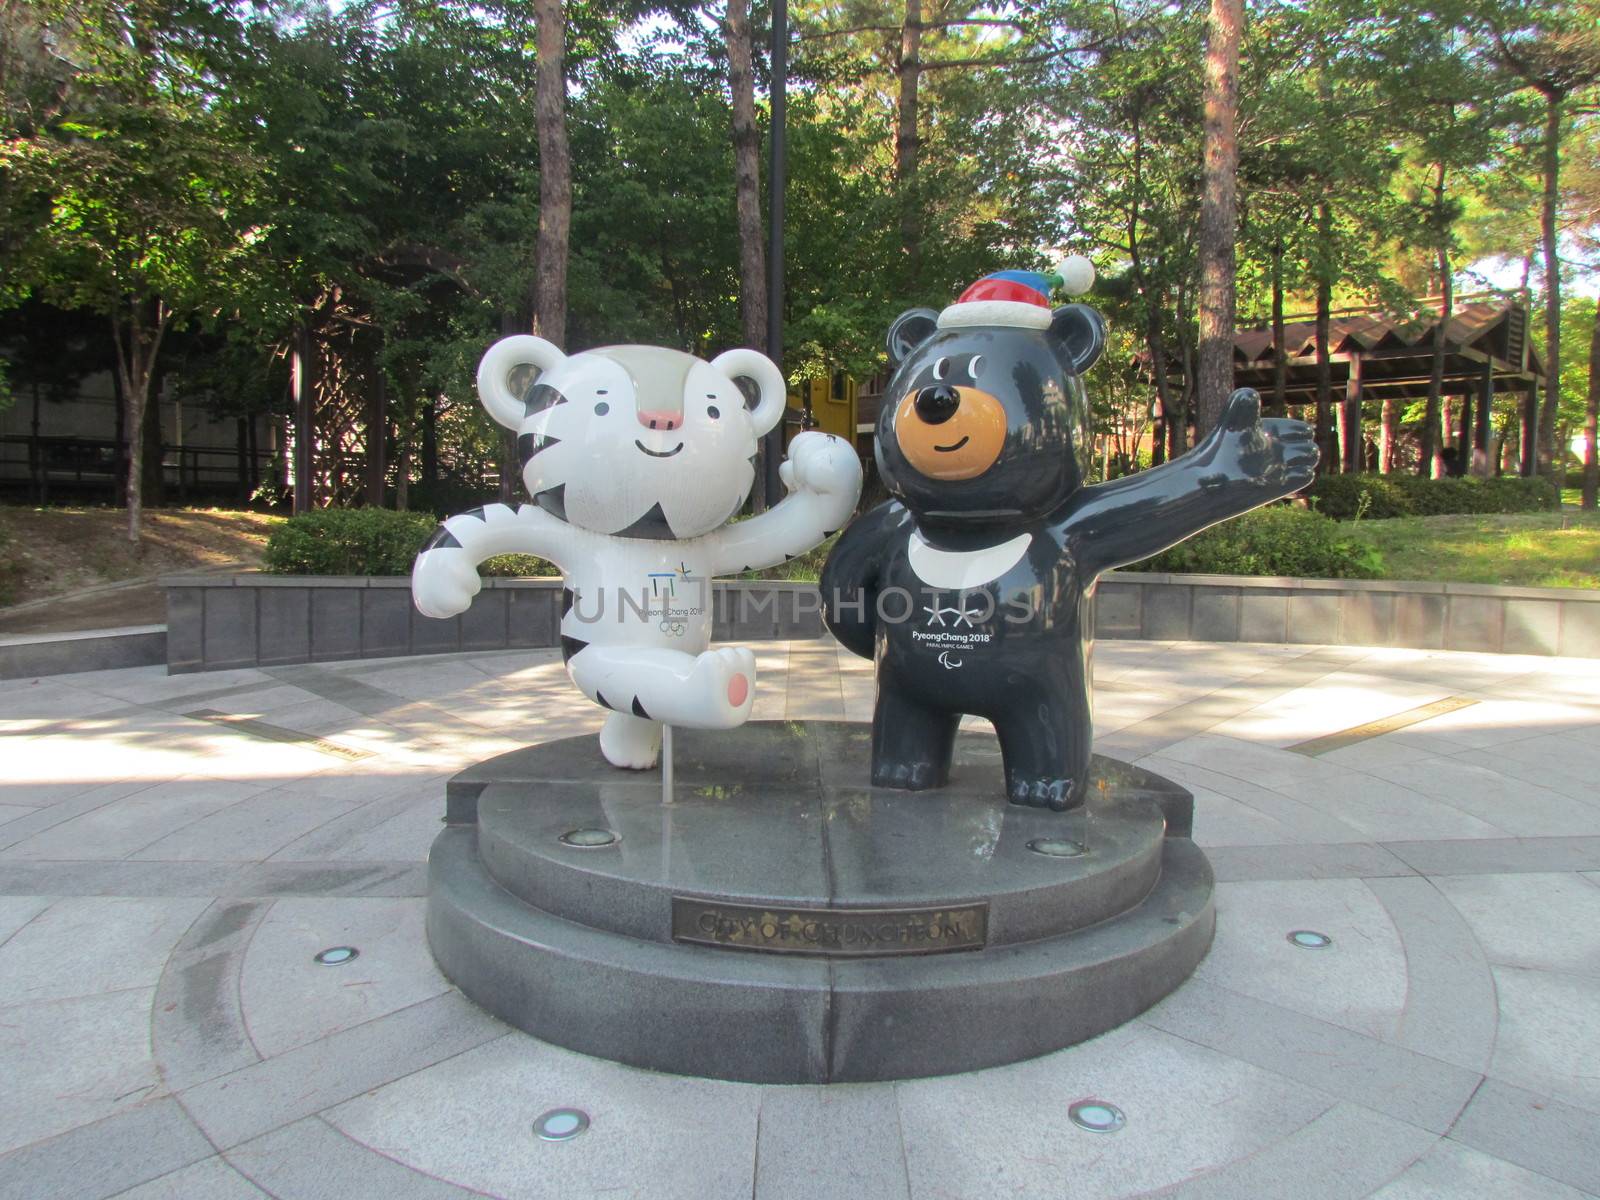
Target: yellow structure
x,y
833,406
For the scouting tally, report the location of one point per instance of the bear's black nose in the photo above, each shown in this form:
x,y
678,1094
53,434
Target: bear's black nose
x,y
937,404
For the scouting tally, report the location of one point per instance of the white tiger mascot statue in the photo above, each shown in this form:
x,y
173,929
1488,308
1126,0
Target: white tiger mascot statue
x,y
636,458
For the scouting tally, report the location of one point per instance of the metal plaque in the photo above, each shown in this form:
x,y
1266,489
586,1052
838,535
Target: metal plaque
x,y
832,932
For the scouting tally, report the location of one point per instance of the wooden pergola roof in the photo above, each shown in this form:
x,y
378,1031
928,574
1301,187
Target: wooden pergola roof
x,y
1486,340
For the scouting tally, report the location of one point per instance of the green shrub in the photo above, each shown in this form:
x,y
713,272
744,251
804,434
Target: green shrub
x,y
347,541
1379,497
517,566
1278,540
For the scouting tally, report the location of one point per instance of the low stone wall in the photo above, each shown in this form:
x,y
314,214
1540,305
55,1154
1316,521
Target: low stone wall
x,y
1350,612
215,622
23,656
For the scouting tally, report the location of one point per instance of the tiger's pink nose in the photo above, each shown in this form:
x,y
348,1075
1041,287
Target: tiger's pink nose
x,y
660,419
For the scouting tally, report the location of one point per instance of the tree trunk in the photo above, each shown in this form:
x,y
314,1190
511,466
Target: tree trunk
x,y
1430,463
906,141
1218,212
1386,440
1591,468
1158,364
1280,357
153,489
747,177
555,174
1326,442
1547,458
138,340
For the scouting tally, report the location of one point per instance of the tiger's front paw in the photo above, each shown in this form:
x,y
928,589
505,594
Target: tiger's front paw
x,y
444,581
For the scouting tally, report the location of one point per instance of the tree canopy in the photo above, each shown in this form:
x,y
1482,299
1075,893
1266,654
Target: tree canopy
x,y
214,182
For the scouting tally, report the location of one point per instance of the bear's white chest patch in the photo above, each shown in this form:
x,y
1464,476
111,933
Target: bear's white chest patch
x,y
964,569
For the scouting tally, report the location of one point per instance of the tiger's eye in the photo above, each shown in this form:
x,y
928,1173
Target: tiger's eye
x,y
713,412
601,409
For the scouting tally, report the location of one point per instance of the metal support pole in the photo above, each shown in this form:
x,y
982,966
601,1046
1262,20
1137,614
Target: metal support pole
x,y
776,179
666,764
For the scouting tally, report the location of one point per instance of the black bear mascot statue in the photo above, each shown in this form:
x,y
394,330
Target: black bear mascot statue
x,y
973,587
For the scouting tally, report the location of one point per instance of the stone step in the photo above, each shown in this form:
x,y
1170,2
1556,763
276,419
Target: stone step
x,y
778,1018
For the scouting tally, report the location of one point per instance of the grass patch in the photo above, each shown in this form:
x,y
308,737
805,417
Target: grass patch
x,y
1548,549
1558,549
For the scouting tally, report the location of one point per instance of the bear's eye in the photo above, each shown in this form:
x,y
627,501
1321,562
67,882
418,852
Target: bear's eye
x,y
601,409
974,367
713,412
941,368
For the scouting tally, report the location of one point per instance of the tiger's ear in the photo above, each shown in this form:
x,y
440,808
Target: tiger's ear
x,y
494,374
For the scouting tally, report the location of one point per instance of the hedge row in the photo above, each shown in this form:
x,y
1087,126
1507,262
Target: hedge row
x,y
1378,497
1280,540
368,541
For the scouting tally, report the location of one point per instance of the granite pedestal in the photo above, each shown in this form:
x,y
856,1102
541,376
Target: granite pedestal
x,y
782,922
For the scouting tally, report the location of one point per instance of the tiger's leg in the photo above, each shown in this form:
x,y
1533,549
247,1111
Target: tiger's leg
x,y
652,686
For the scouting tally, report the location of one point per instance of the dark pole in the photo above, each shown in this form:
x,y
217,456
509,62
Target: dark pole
x,y
775,184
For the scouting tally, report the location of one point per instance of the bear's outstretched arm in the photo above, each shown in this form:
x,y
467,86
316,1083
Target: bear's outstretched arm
x,y
1243,463
850,576
823,476
445,577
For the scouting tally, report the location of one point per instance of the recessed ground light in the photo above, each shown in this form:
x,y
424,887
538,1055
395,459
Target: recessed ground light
x,y
1310,939
337,956
559,1124
1097,1116
1058,847
589,839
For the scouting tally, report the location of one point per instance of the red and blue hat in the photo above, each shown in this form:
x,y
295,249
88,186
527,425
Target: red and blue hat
x,y
1017,298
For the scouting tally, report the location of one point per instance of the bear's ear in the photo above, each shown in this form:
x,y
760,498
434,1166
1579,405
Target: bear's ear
x,y
910,329
1081,331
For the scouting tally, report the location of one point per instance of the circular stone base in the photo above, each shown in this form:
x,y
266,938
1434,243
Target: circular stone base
x,y
781,921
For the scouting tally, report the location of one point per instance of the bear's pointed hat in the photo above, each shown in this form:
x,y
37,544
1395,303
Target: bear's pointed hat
x,y
1017,298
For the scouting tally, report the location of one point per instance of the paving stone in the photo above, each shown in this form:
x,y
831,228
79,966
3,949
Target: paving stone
x,y
1005,1132
1542,921
292,1000
1316,1162
1533,1130
842,1140
468,1120
249,831
1359,982
197,1026
114,830
16,912
1450,1004
106,1157
1348,861
85,945
1520,809
209,1179
310,1161
1405,1085
251,1101
1549,1033
83,1059
1496,856
1450,1170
